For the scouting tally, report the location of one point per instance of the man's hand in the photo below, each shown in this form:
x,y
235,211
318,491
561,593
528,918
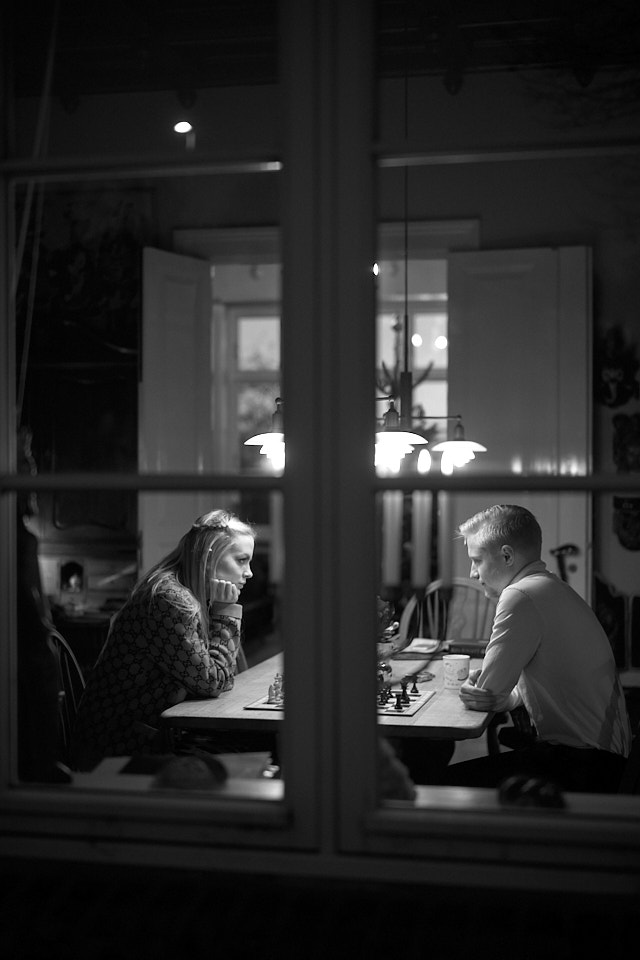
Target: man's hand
x,y
475,698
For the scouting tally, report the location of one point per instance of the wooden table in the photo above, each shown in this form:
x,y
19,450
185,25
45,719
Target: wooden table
x,y
443,716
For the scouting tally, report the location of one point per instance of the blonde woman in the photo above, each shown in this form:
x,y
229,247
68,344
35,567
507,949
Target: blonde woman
x,y
177,636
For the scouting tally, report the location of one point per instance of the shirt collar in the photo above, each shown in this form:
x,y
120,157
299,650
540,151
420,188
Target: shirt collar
x,y
536,566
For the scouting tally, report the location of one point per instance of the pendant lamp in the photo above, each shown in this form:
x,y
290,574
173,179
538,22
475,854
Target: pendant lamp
x,y
272,444
459,451
396,438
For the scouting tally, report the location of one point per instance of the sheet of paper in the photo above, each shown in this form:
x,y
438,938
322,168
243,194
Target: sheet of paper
x,y
422,645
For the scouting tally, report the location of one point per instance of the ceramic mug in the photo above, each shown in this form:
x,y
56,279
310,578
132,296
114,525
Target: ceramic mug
x,y
456,669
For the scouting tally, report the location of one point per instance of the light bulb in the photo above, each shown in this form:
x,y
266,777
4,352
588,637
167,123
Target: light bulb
x,y
424,461
389,456
274,450
446,464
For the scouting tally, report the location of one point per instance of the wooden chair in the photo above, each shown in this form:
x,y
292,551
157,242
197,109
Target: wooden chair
x,y
461,612
71,686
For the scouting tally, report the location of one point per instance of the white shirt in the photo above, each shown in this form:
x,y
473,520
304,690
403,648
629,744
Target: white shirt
x,y
548,646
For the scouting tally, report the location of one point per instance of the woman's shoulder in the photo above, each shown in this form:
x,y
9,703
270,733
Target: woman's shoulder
x,y
166,594
171,592
169,585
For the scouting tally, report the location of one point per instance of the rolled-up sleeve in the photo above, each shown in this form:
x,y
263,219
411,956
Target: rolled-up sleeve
x,y
515,638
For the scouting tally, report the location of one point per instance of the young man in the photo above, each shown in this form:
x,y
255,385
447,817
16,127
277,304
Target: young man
x,y
549,652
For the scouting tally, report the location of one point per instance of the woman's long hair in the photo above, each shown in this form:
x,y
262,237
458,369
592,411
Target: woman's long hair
x,y
195,560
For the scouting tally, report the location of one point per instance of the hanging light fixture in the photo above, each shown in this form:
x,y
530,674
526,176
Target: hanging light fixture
x,y
459,451
396,438
272,444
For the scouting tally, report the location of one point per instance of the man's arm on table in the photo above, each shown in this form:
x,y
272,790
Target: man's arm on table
x,y
514,641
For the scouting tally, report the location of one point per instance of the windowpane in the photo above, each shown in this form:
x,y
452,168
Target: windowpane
x,y
145,667
116,333
122,83
389,340
259,343
430,400
429,341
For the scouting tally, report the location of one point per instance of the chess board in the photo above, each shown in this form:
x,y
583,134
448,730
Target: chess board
x,y
263,704
409,709
417,701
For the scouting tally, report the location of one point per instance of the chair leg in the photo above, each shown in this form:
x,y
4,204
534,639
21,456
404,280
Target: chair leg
x,y
493,743
521,733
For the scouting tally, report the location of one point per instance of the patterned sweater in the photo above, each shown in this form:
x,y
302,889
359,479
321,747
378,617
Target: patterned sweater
x,y
156,655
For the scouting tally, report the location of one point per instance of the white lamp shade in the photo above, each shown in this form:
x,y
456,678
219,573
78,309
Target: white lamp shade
x,y
458,452
264,439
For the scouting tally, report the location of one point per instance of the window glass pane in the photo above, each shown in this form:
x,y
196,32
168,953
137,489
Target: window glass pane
x,y
389,339
121,83
429,341
259,343
411,338
122,690
124,362
430,400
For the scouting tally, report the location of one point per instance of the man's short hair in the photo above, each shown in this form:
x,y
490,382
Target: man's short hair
x,y
505,523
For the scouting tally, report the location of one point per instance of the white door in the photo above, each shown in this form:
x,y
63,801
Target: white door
x,y
175,434
520,375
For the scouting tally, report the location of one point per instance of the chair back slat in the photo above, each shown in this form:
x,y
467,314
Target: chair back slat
x,y
71,686
461,613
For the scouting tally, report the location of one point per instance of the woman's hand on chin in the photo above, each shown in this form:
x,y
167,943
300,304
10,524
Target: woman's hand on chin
x,y
224,591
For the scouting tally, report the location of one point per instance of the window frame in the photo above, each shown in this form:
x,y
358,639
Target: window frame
x,y
321,828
